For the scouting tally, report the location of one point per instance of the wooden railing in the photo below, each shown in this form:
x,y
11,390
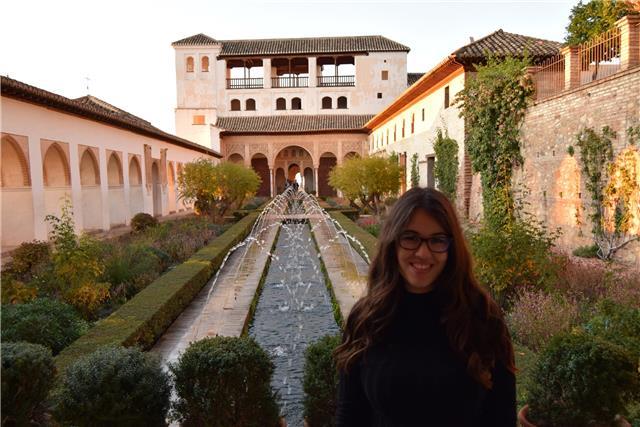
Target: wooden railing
x,y
254,83
333,81
294,81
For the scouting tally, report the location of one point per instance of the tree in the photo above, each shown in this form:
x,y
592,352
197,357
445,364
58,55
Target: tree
x,y
415,173
215,189
595,17
367,180
446,166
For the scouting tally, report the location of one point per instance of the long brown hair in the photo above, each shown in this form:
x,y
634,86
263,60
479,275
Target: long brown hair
x,y
473,321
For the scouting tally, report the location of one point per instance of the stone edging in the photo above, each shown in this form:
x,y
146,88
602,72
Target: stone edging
x,y
144,318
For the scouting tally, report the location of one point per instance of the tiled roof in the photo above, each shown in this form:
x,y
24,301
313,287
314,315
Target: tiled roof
x,y
293,124
197,40
297,46
95,109
413,77
501,43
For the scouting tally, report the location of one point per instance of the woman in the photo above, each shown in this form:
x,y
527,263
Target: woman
x,y
426,346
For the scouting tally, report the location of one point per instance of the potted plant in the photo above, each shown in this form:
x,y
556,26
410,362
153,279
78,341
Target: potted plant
x,y
578,380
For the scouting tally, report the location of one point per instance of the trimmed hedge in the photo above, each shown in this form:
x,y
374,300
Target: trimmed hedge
x,y
147,315
320,382
369,242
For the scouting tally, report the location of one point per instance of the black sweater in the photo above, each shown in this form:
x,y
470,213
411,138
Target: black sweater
x,y
412,378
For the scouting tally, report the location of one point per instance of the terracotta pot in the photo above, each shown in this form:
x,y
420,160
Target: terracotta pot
x,y
620,421
522,417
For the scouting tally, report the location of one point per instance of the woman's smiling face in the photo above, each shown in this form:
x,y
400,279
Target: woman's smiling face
x,y
421,267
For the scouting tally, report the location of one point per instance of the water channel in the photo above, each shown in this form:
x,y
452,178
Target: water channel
x,y
294,308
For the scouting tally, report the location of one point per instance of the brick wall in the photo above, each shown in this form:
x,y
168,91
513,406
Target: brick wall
x,y
557,191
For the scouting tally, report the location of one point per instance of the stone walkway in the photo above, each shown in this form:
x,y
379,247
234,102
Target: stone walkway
x,y
221,308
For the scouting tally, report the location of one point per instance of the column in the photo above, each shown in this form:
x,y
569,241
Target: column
x,y
104,188
126,186
571,66
271,179
315,177
76,188
37,187
313,71
629,41
266,72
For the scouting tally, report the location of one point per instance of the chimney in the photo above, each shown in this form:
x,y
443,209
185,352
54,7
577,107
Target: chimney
x,y
471,39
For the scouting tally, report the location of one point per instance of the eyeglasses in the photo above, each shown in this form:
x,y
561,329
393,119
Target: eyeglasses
x,y
411,242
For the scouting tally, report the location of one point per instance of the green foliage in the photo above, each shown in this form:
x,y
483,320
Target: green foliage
x,y
320,382
618,324
15,291
114,386
224,381
587,251
27,376
148,314
415,173
367,180
29,258
130,268
580,379
43,321
142,221
215,189
596,151
493,105
446,166
514,256
594,17
77,265
570,150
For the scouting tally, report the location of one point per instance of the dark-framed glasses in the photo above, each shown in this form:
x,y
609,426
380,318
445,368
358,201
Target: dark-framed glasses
x,y
412,241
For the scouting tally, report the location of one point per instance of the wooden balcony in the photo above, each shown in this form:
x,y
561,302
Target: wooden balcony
x,y
256,83
335,81
284,82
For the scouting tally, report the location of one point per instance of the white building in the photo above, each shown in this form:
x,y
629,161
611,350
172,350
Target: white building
x,y
109,163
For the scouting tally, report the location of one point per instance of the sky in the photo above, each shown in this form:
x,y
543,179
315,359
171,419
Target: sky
x,y
120,51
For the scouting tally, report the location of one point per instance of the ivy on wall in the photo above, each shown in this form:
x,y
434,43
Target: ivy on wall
x,y
446,165
613,187
493,104
415,173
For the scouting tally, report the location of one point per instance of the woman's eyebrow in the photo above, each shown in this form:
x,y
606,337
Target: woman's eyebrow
x,y
437,234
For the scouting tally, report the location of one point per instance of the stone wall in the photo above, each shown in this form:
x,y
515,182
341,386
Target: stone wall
x,y
557,192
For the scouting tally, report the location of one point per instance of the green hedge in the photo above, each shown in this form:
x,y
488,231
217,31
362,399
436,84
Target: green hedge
x,y
369,242
146,316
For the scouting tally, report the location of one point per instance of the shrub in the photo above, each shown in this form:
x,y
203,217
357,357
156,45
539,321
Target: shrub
x,y
587,251
129,268
536,317
142,221
320,382
15,291
30,258
515,256
224,381
617,324
43,321
114,386
579,379
587,279
624,288
27,376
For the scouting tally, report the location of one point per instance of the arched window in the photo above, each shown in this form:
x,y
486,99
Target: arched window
x,y
135,173
281,104
204,64
13,167
189,64
250,104
342,102
89,174
296,104
235,105
403,123
114,171
56,168
327,103
413,122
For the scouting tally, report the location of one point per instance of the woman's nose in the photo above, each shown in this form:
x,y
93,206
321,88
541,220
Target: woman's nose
x,y
423,250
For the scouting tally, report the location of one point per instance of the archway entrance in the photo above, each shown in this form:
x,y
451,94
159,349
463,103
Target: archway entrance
x,y
292,160
327,162
260,165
